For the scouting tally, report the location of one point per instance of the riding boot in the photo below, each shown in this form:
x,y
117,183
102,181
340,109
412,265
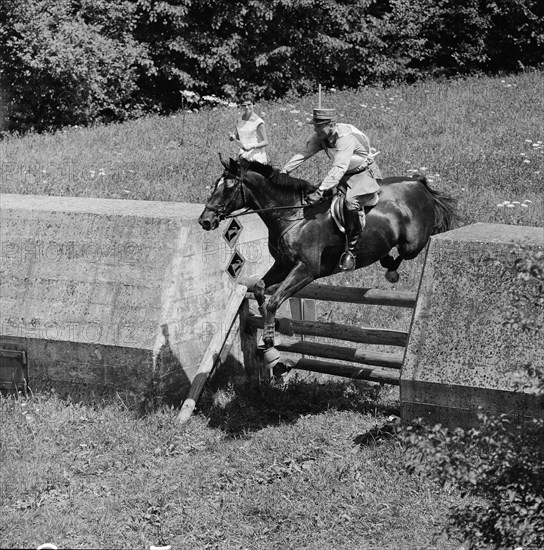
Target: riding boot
x,y
353,230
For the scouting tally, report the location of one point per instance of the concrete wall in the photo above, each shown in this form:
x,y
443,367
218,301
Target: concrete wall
x,y
115,295
461,352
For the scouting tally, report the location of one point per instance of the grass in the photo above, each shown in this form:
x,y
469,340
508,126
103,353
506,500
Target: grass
x,y
301,466
304,465
478,138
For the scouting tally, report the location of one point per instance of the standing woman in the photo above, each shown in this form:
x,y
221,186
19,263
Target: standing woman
x,y
251,133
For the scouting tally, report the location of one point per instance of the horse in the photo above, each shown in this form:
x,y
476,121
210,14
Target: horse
x,y
304,240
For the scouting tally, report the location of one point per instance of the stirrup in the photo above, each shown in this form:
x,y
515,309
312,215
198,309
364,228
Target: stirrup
x,y
347,261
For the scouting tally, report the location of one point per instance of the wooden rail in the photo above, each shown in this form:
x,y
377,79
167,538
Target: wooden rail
x,y
373,374
354,295
335,330
212,354
355,355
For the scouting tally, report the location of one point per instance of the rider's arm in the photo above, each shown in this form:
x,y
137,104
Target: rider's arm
x,y
313,146
345,146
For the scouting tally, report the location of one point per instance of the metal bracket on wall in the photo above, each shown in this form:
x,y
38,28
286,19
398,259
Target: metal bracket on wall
x,y
13,369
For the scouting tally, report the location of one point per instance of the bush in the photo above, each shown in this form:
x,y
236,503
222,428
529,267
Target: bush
x,y
500,465
79,61
64,64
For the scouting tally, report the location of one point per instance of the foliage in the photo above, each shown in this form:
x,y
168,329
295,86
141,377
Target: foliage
x,y
500,465
78,61
452,37
529,268
66,62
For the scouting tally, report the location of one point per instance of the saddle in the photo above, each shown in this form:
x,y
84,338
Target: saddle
x,y
337,209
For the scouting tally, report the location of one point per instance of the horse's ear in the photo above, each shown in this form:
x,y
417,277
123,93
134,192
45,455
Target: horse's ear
x,y
233,166
222,161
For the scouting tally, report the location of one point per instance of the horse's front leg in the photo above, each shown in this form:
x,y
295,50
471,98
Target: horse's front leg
x,y
275,275
297,279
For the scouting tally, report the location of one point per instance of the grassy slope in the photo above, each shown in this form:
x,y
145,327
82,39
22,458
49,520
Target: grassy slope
x,y
472,133
287,467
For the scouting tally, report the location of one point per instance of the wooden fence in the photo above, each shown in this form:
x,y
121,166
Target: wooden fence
x,y
357,362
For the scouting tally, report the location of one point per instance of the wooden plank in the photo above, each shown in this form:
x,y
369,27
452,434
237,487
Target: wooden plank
x,y
373,374
211,355
356,355
355,295
253,363
337,331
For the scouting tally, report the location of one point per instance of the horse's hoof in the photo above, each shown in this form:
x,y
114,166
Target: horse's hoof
x,y
347,261
392,276
285,326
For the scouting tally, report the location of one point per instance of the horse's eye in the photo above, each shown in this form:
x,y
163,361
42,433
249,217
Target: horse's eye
x,y
230,183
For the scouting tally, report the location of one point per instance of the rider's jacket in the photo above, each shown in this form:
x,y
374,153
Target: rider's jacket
x,y
347,147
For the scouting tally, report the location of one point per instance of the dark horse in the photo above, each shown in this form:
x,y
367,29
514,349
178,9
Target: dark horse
x,y
306,243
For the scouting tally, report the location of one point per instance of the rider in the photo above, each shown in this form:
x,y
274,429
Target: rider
x,y
353,171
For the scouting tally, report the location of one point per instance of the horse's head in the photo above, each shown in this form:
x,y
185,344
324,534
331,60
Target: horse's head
x,y
227,196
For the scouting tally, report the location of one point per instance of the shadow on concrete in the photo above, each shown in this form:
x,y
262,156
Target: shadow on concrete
x,y
170,382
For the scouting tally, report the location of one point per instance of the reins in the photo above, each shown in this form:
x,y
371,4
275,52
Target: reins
x,y
240,182
250,211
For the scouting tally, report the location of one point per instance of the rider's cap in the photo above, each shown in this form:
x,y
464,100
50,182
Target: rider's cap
x,y
323,116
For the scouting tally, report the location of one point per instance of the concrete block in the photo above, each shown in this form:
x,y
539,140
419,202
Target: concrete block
x,y
462,353
115,295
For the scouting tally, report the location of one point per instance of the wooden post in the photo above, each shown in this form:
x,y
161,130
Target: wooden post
x,y
253,364
212,354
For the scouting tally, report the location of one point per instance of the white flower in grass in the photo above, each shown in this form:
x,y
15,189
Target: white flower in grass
x,y
294,112
510,205
516,202
524,205
526,161
528,141
423,168
92,172
101,172
363,105
527,200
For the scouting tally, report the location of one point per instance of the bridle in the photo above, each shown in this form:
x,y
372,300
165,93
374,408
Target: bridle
x,y
221,208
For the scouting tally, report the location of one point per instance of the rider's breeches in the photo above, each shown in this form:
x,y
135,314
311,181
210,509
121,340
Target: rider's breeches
x,y
360,189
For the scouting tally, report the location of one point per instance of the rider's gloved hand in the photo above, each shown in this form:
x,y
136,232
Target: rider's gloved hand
x,y
315,197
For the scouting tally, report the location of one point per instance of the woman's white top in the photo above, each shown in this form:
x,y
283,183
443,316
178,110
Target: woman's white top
x,y
247,132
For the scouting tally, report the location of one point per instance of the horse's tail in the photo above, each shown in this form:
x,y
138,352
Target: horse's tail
x,y
446,214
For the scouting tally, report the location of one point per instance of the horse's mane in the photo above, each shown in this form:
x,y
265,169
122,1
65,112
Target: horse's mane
x,y
275,177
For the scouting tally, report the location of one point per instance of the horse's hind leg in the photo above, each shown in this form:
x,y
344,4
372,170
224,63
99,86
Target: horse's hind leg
x,y
391,264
